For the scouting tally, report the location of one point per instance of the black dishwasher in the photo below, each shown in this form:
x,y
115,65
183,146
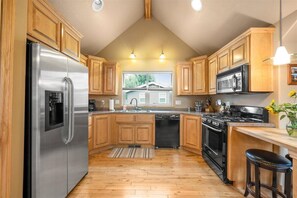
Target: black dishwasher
x,y
167,131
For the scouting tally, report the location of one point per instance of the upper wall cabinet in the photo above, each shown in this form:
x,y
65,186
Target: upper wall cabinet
x,y
184,78
192,77
103,76
83,60
46,26
251,47
213,70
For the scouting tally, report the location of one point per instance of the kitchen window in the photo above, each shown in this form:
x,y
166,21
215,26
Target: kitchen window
x,y
149,88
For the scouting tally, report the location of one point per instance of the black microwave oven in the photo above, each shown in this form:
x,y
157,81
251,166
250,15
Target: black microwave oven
x,y
235,80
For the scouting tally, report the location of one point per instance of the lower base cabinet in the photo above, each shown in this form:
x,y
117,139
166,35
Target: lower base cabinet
x,y
101,131
135,134
192,132
126,134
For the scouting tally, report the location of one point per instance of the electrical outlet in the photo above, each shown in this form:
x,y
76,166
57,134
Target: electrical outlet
x,y
117,101
177,102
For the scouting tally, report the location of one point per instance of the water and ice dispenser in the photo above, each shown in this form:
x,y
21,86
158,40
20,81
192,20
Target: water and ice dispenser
x,y
54,110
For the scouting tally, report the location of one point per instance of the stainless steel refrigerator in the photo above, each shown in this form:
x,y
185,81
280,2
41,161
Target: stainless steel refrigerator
x,y
56,123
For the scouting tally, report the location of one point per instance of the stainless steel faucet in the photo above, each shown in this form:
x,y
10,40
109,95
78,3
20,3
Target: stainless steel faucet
x,y
136,105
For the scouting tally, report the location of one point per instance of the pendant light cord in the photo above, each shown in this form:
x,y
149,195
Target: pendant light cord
x,y
280,24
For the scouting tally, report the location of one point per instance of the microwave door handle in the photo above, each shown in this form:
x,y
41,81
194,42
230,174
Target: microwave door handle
x,y
234,82
68,139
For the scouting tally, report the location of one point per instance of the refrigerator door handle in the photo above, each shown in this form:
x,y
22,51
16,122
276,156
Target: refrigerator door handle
x,y
72,108
70,114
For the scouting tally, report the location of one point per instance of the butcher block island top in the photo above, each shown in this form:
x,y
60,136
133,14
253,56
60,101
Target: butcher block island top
x,y
273,135
277,137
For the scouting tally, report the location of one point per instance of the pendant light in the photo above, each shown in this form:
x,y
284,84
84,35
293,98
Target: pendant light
x,y
162,56
281,55
97,5
196,5
132,55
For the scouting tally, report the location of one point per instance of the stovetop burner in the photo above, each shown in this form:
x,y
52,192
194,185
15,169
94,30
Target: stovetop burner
x,y
229,118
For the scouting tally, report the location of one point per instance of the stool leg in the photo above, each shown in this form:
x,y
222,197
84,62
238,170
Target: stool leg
x,y
257,182
274,184
288,183
248,177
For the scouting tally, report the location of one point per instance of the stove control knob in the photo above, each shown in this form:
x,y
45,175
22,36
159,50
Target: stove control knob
x,y
209,121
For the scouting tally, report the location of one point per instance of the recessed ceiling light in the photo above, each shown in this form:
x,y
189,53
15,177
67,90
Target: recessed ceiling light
x,y
97,5
196,5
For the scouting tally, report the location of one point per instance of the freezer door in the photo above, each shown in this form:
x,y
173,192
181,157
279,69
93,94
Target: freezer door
x,y
48,151
78,147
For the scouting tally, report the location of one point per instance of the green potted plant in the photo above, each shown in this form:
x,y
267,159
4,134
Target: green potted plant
x,y
288,110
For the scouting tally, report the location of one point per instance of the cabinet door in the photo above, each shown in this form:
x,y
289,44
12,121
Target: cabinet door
x,y
184,78
200,78
212,75
239,52
223,61
43,24
95,76
70,42
192,132
83,59
110,78
125,134
144,134
101,131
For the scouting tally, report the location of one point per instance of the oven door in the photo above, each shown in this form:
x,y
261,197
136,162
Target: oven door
x,y
214,144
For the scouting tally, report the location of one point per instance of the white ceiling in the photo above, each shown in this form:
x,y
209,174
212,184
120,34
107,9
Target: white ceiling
x,y
204,31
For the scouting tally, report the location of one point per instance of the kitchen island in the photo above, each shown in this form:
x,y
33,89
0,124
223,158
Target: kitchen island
x,y
274,136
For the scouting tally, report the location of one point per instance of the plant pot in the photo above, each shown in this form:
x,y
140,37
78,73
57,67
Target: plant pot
x,y
292,129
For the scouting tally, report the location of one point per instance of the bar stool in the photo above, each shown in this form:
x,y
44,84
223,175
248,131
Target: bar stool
x,y
270,161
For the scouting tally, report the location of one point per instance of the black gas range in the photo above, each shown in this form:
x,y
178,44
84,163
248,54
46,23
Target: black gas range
x,y
215,131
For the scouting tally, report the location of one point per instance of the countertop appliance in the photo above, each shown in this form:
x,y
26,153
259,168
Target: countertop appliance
x,y
215,130
56,123
234,80
167,130
92,105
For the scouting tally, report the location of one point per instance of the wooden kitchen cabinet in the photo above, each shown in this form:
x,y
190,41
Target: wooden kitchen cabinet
x,y
184,78
192,132
43,24
135,128
143,134
95,65
223,61
251,47
126,134
192,77
70,42
212,68
110,78
83,60
46,26
200,75
101,131
103,76
239,53
90,133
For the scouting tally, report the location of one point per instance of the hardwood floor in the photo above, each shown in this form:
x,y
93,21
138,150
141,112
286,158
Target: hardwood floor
x,y
170,174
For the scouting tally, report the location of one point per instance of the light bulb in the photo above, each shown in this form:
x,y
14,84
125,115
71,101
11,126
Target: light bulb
x,y
132,55
196,5
281,56
97,5
162,56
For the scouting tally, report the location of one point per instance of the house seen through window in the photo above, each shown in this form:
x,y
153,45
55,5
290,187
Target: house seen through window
x,y
149,88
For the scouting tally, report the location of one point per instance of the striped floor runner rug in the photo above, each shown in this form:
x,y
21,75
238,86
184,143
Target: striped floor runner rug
x,y
145,153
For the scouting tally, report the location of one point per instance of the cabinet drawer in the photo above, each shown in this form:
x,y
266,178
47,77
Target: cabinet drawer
x,y
125,118
145,118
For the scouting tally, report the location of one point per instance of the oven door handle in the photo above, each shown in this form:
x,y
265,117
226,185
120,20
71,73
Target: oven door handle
x,y
217,130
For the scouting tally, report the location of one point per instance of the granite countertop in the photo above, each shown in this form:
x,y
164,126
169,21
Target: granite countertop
x,y
147,112
250,124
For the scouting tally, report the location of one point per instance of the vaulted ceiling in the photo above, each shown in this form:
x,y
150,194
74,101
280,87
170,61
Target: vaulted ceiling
x,y
206,31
